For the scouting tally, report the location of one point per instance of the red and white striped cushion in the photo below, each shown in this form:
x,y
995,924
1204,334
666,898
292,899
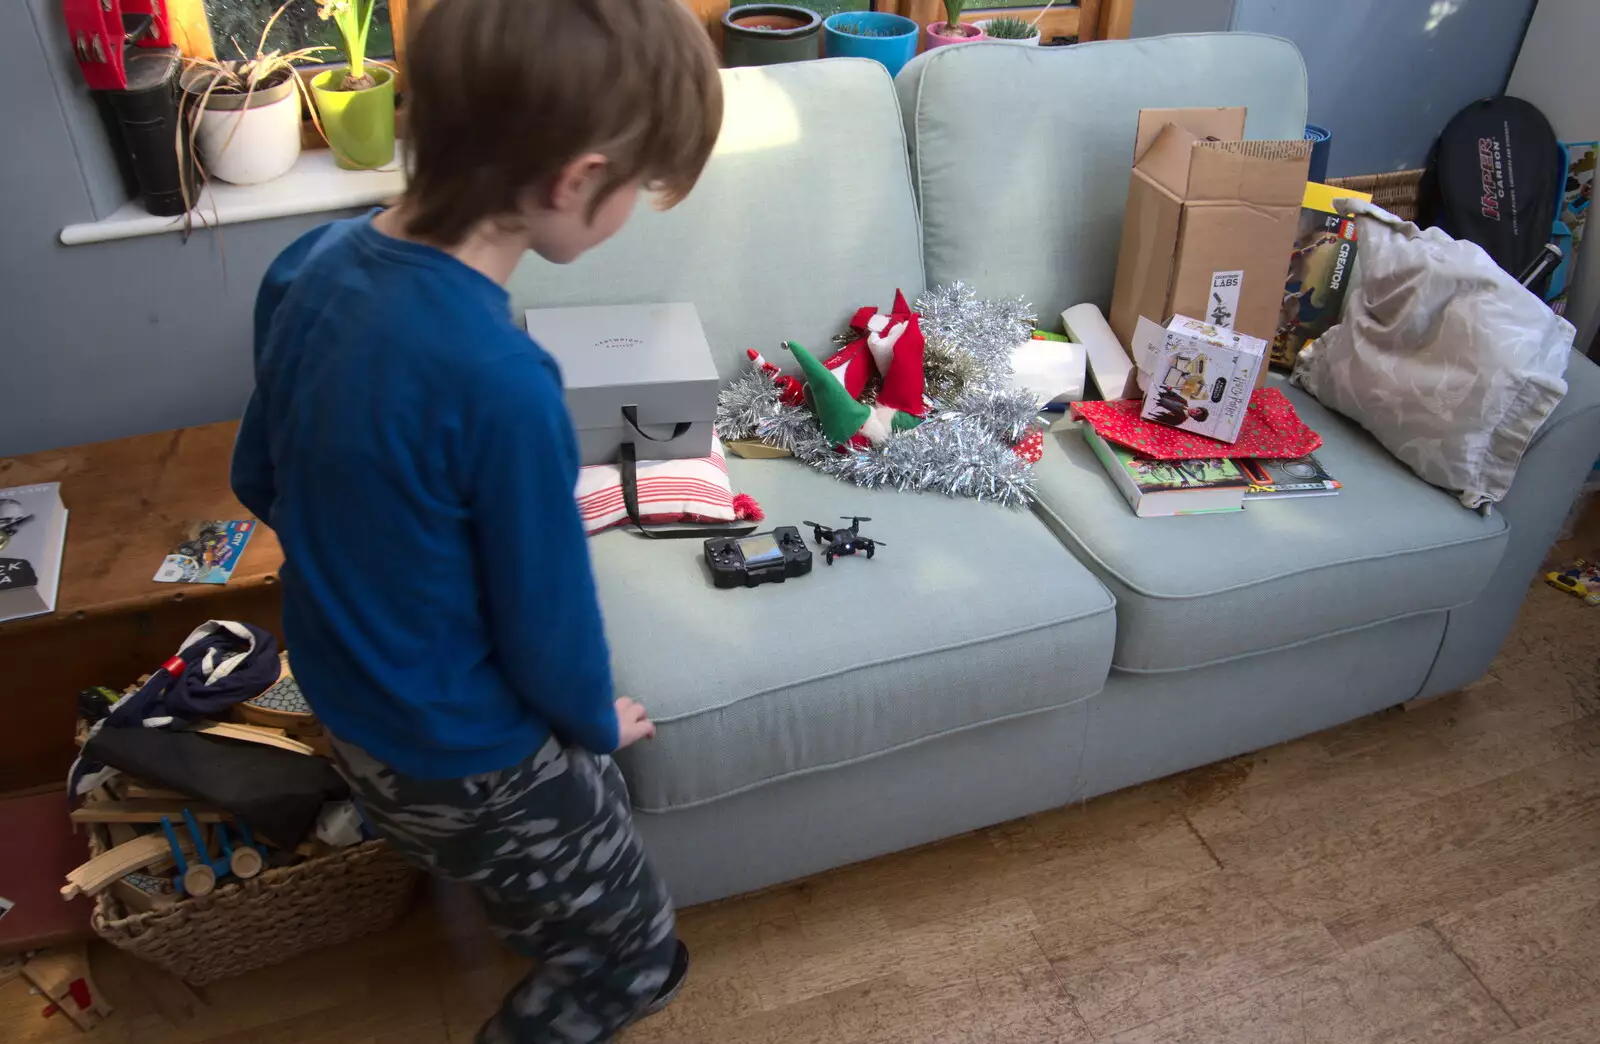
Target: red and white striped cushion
x,y
695,490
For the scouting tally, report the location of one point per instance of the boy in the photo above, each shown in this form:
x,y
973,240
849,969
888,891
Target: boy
x,y
410,446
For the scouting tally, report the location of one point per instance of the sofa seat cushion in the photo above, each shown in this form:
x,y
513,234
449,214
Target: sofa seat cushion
x,y
1200,589
970,613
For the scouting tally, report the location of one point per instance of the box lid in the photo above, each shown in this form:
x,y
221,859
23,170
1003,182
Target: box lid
x,y
654,357
1165,140
1265,173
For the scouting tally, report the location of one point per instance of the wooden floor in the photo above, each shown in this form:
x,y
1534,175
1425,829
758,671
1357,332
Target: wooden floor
x,y
1425,875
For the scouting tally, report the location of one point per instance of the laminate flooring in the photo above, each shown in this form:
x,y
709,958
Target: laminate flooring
x,y
1427,875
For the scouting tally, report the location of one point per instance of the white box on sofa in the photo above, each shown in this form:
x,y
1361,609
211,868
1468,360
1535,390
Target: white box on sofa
x,y
633,373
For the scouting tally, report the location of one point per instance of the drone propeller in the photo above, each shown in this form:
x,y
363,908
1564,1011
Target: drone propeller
x,y
856,518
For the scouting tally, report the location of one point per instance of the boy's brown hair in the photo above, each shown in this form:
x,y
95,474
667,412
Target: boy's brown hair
x,y
501,94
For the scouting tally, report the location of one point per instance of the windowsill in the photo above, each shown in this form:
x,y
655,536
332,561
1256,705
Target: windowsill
x,y
314,184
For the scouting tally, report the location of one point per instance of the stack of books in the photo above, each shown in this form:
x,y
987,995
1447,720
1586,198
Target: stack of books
x,y
1155,488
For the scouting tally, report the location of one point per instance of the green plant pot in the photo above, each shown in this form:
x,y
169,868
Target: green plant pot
x,y
359,124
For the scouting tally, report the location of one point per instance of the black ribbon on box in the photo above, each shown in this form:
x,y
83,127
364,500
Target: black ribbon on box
x,y
628,466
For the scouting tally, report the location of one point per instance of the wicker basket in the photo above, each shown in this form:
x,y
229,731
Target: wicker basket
x,y
283,913
1397,192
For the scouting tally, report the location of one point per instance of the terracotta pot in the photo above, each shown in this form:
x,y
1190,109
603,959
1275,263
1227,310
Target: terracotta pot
x,y
938,35
769,34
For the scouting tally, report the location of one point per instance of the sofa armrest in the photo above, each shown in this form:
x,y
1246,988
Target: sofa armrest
x,y
1562,454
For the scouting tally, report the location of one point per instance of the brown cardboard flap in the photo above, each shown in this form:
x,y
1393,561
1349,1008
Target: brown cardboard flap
x,y
1166,161
1265,173
1224,124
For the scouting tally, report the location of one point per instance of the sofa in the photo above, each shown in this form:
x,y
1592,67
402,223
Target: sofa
x,y
992,662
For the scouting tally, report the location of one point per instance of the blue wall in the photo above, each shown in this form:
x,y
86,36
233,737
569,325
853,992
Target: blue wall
x,y
112,339
1387,74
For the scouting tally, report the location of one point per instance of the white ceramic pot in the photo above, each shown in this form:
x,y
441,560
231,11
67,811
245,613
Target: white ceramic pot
x,y
247,146
1032,41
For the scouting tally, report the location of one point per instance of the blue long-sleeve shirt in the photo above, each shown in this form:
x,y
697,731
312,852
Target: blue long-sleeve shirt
x,y
411,448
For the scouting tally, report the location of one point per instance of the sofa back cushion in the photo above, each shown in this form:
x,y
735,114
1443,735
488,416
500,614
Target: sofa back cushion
x,y
805,212
1021,155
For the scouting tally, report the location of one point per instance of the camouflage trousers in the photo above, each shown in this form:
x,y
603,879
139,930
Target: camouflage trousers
x,y
549,847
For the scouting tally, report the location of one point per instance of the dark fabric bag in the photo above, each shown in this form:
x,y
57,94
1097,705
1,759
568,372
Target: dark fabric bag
x,y
1493,179
278,792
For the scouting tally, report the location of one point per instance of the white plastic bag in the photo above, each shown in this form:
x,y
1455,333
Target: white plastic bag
x,y
1441,355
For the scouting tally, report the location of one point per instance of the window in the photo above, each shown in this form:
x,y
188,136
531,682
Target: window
x,y
232,28
236,27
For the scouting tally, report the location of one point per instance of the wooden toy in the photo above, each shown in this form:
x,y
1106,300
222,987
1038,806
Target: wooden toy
x,y
144,892
195,878
97,874
135,789
244,861
63,976
253,734
141,811
282,705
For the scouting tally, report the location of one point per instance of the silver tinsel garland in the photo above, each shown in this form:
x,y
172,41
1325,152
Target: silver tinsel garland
x,y
963,449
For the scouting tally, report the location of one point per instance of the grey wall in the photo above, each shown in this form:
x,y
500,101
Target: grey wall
x,y
1157,17
1387,74
1555,72
114,339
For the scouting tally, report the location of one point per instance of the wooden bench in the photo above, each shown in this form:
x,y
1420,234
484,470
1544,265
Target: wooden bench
x,y
130,502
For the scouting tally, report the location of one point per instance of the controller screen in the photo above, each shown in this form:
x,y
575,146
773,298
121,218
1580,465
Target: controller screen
x,y
758,550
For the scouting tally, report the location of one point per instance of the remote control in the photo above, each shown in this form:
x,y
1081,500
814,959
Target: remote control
x,y
762,558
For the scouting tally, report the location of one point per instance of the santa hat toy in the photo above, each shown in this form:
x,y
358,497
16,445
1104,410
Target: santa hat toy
x,y
897,347
844,420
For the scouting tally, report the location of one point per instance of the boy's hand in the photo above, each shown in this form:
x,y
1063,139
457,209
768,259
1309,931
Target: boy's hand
x,y
632,723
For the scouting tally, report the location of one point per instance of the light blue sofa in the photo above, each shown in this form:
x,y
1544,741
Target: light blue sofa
x,y
991,663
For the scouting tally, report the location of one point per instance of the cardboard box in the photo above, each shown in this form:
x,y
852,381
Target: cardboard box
x,y
1203,378
651,360
1210,222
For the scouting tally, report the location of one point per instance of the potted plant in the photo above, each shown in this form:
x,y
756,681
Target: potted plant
x,y
243,116
889,39
1011,31
357,101
769,34
951,31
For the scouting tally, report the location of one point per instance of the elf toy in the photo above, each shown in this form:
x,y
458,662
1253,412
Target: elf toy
x,y
885,356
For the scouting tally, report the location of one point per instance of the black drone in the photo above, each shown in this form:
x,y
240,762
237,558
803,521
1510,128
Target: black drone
x,y
844,540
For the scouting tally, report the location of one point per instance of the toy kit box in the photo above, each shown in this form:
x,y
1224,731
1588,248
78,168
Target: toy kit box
x,y
1203,378
1210,222
633,373
1320,267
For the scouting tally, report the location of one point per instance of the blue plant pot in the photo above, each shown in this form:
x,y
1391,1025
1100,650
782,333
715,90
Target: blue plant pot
x,y
892,51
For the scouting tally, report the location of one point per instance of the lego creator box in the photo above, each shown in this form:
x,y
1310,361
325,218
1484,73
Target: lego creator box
x,y
1319,271
1210,222
1203,378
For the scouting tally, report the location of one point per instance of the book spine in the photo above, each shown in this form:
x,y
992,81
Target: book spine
x,y
1119,475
